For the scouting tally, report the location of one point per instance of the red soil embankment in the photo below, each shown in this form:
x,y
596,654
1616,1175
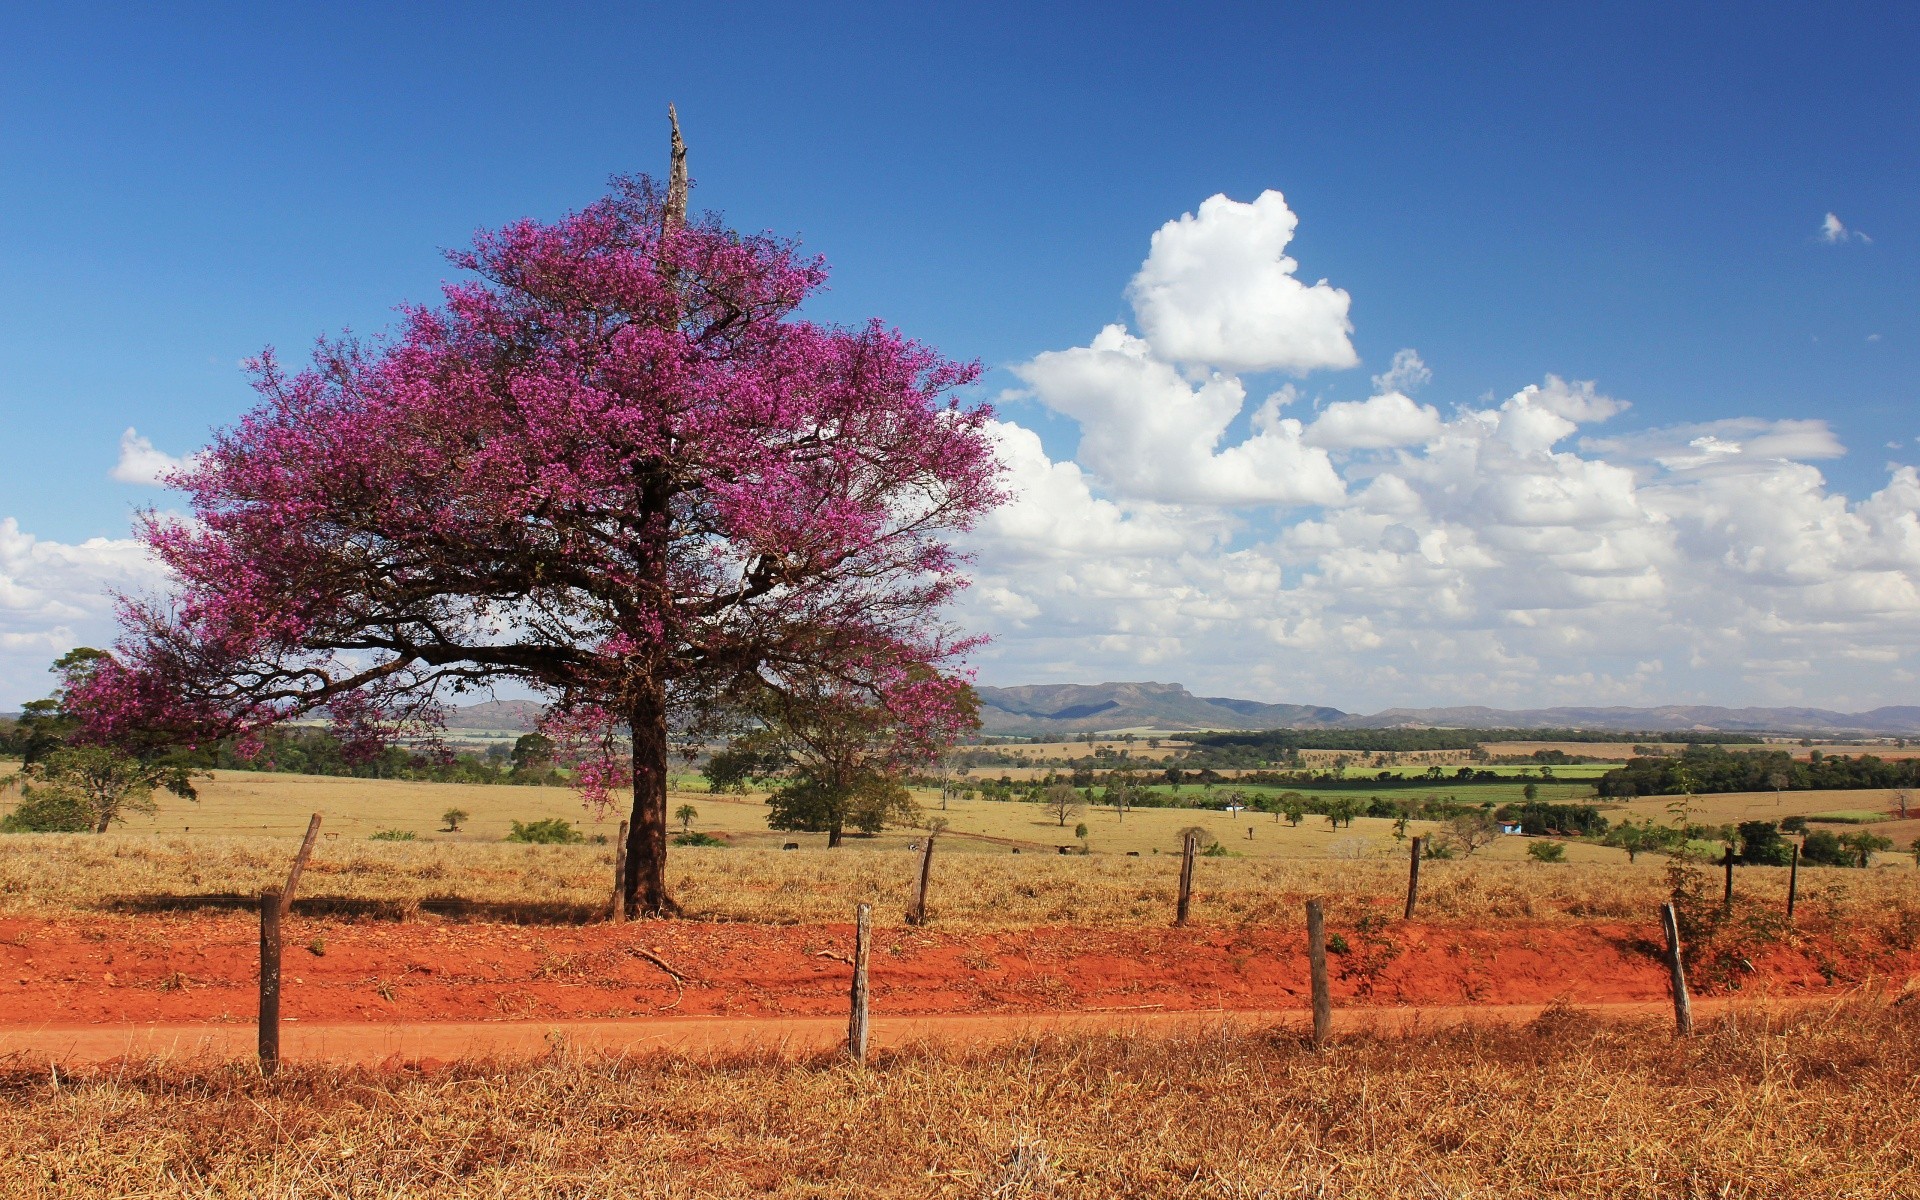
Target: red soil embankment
x,y
202,968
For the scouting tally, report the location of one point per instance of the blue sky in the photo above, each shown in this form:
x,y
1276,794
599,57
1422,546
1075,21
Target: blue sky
x,y
1628,195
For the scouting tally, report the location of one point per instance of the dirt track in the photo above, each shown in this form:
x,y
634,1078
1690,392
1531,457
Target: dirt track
x,y
382,988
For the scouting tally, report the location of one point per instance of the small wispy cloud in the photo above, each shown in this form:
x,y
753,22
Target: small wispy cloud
x,y
1406,375
142,463
1834,231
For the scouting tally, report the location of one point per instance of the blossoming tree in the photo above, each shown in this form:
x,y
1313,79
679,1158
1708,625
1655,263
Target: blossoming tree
x,y
618,468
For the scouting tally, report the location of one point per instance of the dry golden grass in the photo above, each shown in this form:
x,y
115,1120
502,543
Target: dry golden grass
x,y
1810,1103
50,873
1723,808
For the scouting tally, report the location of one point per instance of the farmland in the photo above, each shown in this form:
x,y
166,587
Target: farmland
x,y
711,1036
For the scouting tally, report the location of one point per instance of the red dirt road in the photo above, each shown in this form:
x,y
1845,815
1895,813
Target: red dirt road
x,y
429,986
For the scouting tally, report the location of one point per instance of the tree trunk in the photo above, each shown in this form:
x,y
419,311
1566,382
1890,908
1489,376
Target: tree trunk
x,y
833,835
646,879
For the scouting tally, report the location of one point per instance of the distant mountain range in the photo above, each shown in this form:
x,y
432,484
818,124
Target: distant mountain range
x,y
1090,708
505,716
1074,708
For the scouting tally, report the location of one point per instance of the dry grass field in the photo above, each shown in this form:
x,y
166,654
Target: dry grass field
x,y
1733,807
43,874
1807,1103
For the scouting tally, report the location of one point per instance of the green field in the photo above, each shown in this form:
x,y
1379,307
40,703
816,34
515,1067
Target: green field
x,y
278,804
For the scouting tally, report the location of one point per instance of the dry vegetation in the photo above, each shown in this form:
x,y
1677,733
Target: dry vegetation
x,y
1806,1103
43,874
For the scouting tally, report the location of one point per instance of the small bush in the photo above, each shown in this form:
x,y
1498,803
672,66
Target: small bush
x,y
697,839
1547,852
48,810
452,819
553,831
394,835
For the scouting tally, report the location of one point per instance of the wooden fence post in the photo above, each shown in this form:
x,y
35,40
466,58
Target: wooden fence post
x,y
857,999
1413,878
1185,905
917,910
269,981
1317,963
1793,882
299,864
1677,971
1726,903
619,909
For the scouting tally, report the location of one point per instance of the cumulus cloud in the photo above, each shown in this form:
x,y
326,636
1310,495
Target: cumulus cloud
x,y
55,596
1376,424
1149,433
1387,553
141,463
1218,288
1834,231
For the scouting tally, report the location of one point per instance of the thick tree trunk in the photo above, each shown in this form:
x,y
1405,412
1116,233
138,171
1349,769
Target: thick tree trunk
x,y
646,879
833,835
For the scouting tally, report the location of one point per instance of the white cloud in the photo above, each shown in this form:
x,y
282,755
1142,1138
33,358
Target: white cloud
x,y
140,463
1407,374
55,596
1376,424
1388,555
1217,288
1148,433
1833,231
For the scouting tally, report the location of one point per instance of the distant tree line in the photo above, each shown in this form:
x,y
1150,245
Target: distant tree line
x,y
314,750
1706,769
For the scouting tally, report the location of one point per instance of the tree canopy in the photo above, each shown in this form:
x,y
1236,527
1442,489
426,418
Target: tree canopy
x,y
616,466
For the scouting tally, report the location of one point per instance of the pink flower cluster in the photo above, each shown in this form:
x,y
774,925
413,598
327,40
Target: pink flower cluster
x,y
616,465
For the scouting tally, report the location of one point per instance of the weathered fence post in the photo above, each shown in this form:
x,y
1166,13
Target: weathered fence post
x,y
269,981
857,999
917,910
1793,881
619,910
1317,964
1185,905
299,864
1682,1003
1413,878
1726,903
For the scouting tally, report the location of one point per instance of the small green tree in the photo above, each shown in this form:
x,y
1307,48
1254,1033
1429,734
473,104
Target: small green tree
x,y
452,819
1547,852
1862,846
48,811
102,782
686,814
813,803
1634,839
1531,791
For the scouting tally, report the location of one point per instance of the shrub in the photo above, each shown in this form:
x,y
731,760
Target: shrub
x,y
553,831
1762,845
1825,849
393,835
452,819
697,839
1547,852
49,810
